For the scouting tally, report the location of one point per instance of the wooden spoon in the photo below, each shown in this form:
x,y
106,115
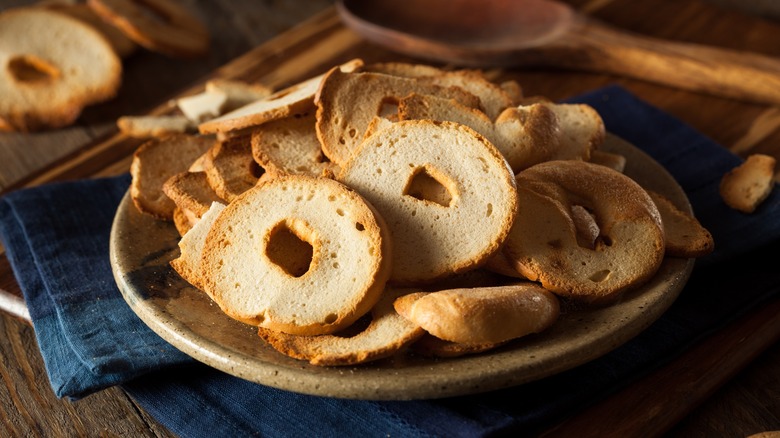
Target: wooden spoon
x,y
547,33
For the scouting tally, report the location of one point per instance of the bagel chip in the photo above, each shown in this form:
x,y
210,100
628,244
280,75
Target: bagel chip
x,y
53,66
746,186
386,334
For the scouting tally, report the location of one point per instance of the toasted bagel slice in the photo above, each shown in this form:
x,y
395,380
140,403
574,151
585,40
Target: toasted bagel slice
x,y
544,241
53,65
446,193
156,161
297,254
386,334
348,102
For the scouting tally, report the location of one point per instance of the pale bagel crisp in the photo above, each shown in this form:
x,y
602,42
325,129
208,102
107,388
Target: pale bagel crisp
x,y
433,238
53,66
313,264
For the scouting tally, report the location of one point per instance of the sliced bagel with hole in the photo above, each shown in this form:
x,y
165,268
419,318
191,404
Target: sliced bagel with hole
x,y
348,102
493,98
53,66
297,254
544,242
446,193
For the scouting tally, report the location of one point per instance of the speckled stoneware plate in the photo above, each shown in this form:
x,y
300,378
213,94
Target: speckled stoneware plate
x,y
141,248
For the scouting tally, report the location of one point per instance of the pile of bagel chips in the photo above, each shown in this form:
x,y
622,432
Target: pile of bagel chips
x,y
380,209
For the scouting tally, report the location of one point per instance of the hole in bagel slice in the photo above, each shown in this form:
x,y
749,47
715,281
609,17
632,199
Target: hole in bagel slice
x,y
425,186
289,251
31,69
388,108
255,169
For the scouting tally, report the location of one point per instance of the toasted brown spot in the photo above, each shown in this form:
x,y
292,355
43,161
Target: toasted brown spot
x,y
555,244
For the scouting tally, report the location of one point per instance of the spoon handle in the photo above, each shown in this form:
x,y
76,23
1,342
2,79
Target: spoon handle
x,y
720,72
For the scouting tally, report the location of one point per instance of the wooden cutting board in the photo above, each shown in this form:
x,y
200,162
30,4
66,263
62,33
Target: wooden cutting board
x,y
316,45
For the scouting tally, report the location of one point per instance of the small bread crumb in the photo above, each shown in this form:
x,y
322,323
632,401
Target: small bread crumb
x,y
154,126
747,185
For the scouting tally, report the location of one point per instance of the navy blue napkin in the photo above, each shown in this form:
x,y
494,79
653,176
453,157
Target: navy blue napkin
x,y
56,238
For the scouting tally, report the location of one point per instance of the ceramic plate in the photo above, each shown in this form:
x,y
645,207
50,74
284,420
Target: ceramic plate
x,y
141,248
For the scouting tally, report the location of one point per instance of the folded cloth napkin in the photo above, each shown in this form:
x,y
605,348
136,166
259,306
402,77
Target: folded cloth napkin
x,y
56,238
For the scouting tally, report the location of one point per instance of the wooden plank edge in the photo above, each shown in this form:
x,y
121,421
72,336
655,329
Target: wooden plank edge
x,y
14,305
640,410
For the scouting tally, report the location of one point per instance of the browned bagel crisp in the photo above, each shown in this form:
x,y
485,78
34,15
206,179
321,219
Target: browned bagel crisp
x,y
544,240
685,236
163,26
482,315
348,102
230,168
157,160
746,186
385,335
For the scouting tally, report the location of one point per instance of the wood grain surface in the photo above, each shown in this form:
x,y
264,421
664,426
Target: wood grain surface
x,y
727,386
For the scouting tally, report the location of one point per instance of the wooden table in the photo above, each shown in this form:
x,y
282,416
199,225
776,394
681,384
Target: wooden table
x,y
729,385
